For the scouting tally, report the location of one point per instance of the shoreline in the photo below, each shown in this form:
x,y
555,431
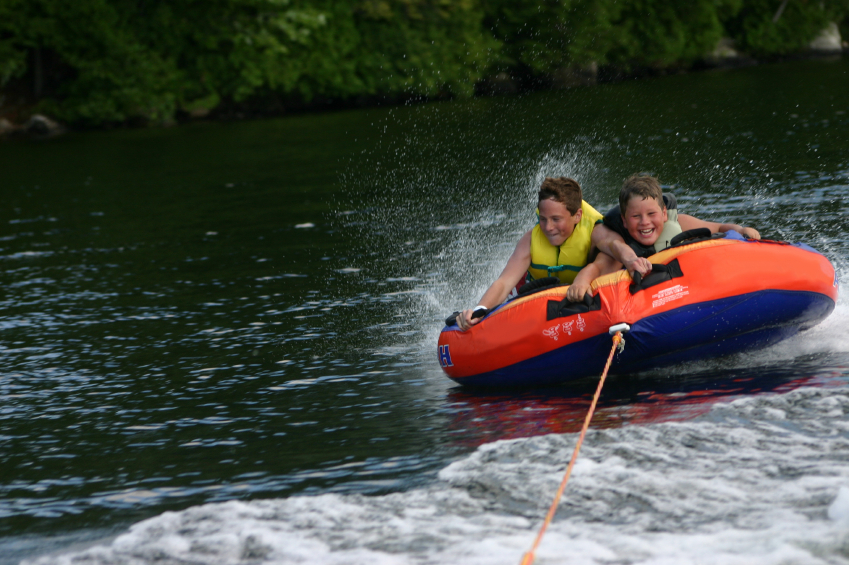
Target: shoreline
x,y
40,126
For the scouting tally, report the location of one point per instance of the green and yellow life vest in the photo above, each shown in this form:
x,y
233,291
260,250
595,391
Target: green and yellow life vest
x,y
671,228
564,261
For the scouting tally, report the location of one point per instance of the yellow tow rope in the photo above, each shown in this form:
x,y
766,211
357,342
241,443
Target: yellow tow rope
x,y
528,558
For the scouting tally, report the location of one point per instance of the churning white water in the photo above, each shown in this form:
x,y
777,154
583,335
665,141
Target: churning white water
x,y
760,480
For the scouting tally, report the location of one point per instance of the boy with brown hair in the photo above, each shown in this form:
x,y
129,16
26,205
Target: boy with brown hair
x,y
558,245
645,222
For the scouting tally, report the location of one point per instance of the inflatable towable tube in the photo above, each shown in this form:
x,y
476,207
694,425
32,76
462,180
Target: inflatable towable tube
x,y
703,299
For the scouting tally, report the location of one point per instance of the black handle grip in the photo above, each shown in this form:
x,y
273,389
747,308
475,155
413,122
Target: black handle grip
x,y
697,233
671,270
566,307
587,300
452,319
480,313
655,268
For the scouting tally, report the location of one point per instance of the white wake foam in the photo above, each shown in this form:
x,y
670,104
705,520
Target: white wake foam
x,y
758,481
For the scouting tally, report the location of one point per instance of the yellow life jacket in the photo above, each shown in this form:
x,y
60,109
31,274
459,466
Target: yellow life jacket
x,y
564,261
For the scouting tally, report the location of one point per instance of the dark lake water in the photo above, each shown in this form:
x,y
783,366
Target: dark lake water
x,y
229,330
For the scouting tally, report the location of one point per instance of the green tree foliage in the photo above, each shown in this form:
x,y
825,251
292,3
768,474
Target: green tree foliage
x,y
109,60
229,48
12,57
653,33
551,34
394,47
100,61
766,28
547,35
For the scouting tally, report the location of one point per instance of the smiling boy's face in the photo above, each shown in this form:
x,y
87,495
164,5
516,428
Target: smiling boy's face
x,y
644,219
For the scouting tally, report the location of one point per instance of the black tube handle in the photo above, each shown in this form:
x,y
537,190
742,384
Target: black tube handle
x,y
452,319
587,300
637,278
480,313
697,233
655,268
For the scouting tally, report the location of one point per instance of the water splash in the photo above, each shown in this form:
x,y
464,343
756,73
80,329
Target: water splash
x,y
735,486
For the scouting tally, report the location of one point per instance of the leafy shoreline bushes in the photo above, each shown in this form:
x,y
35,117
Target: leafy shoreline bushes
x,y
97,62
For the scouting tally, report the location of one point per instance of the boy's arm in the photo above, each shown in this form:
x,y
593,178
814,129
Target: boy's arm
x,y
517,266
602,265
690,223
609,242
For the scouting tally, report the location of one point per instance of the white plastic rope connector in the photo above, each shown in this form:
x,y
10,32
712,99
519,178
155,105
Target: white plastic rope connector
x,y
623,327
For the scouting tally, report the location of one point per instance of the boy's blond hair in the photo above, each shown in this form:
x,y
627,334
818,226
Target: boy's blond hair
x,y
640,185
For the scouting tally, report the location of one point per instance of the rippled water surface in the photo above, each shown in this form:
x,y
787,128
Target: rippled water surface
x,y
237,322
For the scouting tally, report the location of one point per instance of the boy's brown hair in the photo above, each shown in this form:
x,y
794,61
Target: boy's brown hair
x,y
564,190
640,185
